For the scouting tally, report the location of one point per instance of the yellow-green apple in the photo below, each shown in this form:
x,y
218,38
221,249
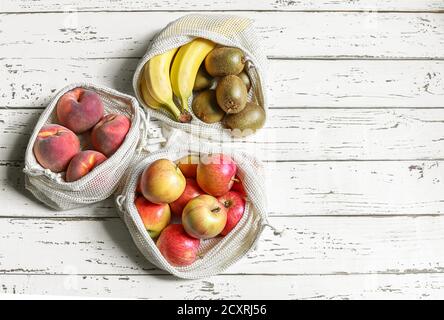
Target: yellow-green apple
x,y
155,217
162,182
204,217
55,146
215,174
188,165
191,191
235,204
177,247
79,109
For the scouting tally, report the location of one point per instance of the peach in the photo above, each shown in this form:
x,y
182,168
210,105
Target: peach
x,y
82,164
55,146
109,133
79,109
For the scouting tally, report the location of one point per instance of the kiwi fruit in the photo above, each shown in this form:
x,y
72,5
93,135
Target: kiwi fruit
x,y
246,122
203,79
205,107
246,79
224,61
231,94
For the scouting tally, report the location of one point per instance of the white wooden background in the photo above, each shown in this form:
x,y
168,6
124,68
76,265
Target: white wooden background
x,y
354,148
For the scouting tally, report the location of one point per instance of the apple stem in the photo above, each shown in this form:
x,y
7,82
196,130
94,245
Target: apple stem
x,y
235,180
227,203
216,210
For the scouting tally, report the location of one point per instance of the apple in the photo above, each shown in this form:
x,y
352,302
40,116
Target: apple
x,y
215,174
177,247
162,182
239,187
155,217
204,217
191,191
188,165
235,204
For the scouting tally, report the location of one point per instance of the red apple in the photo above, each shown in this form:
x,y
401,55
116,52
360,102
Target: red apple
x,y
162,182
215,174
235,205
177,247
239,187
155,217
204,217
191,191
188,165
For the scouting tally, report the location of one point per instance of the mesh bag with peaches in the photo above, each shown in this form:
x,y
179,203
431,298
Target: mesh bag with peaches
x,y
194,209
82,145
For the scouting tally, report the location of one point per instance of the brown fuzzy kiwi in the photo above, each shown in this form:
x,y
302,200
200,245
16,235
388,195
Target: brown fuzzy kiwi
x,y
223,61
205,107
231,94
203,79
247,121
246,79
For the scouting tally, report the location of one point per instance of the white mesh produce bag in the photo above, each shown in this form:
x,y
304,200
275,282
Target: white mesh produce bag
x,y
227,30
217,254
102,181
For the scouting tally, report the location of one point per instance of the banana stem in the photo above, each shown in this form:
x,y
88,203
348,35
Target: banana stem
x,y
185,104
177,114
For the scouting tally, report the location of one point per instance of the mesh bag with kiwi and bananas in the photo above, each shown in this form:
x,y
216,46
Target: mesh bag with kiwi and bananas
x,y
222,31
52,189
214,255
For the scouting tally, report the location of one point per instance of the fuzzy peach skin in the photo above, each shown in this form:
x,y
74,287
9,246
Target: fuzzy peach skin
x,y
109,133
82,164
55,146
79,110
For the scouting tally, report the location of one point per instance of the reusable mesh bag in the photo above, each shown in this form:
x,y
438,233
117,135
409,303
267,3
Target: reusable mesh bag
x,y
102,181
227,30
217,254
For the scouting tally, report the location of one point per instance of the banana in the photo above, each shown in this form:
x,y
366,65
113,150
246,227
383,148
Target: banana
x,y
147,97
158,85
185,66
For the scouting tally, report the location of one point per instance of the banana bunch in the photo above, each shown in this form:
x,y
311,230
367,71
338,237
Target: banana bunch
x,y
173,73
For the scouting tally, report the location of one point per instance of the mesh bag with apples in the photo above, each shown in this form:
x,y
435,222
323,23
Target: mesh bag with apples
x,y
175,50
170,246
51,187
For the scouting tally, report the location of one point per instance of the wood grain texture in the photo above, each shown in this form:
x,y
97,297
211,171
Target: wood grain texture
x,y
307,35
308,246
238,287
293,84
300,134
305,189
159,5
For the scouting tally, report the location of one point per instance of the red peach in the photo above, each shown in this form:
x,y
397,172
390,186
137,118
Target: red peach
x,y
55,146
79,109
82,164
109,133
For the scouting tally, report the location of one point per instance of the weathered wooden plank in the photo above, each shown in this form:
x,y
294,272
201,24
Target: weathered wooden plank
x,y
305,34
294,189
309,245
301,134
369,286
347,84
226,5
